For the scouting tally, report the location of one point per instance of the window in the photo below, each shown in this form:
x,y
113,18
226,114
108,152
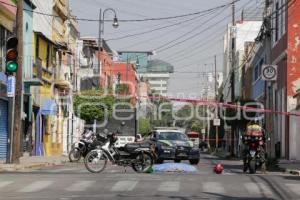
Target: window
x,y
48,56
37,44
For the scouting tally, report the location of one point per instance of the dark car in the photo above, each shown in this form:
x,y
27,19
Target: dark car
x,y
174,145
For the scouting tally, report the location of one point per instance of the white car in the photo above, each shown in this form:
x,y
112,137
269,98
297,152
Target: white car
x,y
123,140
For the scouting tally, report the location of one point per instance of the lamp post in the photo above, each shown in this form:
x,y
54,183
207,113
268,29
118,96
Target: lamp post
x,y
101,29
100,44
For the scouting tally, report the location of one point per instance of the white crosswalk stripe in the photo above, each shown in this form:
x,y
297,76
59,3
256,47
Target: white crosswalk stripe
x,y
5,183
169,186
36,186
265,189
124,186
294,187
80,186
213,187
252,188
258,189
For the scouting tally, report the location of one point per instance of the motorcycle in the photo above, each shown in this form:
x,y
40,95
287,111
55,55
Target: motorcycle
x,y
83,147
254,154
136,155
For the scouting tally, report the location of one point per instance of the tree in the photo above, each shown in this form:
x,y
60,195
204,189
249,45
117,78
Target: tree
x,y
144,126
91,105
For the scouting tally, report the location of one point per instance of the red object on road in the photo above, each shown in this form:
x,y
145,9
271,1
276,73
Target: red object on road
x,y
218,169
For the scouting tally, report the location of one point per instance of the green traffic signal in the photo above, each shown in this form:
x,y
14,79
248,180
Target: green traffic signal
x,y
11,54
11,66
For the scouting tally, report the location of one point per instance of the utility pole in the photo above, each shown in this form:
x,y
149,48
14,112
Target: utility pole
x,y
16,139
217,108
232,74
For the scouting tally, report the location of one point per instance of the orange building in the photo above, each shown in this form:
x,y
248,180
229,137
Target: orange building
x,y
106,66
125,73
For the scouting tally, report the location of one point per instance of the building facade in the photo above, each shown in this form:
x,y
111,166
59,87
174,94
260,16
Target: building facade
x,y
7,19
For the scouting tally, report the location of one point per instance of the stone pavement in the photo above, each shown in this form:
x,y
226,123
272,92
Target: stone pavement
x,y
290,166
29,162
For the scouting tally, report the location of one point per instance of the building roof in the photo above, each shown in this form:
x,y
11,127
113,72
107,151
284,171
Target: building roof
x,y
146,52
44,37
157,65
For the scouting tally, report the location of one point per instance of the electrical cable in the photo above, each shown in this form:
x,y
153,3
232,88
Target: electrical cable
x,y
132,20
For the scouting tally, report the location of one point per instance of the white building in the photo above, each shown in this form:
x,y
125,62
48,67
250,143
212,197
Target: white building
x,y
158,82
158,75
244,31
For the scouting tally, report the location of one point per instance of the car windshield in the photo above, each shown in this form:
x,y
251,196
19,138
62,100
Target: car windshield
x,y
172,136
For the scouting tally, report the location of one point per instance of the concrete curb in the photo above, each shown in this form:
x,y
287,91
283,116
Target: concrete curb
x,y
24,167
293,172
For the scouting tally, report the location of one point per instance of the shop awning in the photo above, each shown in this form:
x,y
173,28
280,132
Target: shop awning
x,y
49,107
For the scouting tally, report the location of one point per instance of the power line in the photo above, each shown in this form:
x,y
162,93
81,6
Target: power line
x,y
156,29
192,36
129,20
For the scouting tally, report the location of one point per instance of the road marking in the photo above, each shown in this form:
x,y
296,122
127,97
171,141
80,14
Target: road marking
x,y
213,187
124,186
252,188
80,186
36,186
169,186
265,189
294,187
258,189
5,183
60,170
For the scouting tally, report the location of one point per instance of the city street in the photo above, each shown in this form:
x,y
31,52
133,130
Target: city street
x,y
73,181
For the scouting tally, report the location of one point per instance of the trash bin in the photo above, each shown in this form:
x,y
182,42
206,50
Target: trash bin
x,y
277,150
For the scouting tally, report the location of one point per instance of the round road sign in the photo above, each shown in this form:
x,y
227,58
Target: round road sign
x,y
269,72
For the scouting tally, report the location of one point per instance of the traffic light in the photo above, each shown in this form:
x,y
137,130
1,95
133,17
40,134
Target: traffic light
x,y
11,55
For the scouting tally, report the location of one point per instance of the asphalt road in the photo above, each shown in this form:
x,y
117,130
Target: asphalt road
x,y
73,182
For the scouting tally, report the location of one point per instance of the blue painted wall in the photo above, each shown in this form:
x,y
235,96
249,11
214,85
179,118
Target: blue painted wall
x,y
258,85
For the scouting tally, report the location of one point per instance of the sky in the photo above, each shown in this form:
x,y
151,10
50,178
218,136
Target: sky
x,y
188,43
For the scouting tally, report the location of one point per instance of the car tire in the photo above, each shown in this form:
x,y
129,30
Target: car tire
x,y
177,160
194,161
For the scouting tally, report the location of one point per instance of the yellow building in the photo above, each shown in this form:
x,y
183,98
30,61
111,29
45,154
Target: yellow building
x,y
48,130
62,78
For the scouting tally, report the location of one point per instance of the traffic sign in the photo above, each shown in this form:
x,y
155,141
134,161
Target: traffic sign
x,y
217,122
269,72
203,130
11,86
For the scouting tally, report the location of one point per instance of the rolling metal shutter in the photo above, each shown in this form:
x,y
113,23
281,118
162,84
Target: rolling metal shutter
x,y
3,128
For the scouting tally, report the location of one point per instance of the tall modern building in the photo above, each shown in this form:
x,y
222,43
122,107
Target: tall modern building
x,y
156,72
158,75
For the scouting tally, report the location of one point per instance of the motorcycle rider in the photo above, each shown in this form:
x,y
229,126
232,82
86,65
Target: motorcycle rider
x,y
253,125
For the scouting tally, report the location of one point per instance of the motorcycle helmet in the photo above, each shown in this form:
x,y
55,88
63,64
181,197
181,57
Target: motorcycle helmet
x,y
218,168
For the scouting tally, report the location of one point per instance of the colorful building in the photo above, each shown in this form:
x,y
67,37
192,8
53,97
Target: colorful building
x,y
7,18
125,73
106,66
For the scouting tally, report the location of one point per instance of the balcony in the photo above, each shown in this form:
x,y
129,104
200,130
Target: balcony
x,y
37,72
60,8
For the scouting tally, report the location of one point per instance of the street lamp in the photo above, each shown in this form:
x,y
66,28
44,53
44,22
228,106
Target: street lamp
x,y
101,29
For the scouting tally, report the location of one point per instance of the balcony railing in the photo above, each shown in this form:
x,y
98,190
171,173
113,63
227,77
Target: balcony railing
x,y
38,69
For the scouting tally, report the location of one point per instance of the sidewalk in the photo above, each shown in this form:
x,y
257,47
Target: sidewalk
x,y
290,166
29,162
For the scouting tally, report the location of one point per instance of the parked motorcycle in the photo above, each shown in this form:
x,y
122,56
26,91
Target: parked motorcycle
x,y
84,146
136,155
